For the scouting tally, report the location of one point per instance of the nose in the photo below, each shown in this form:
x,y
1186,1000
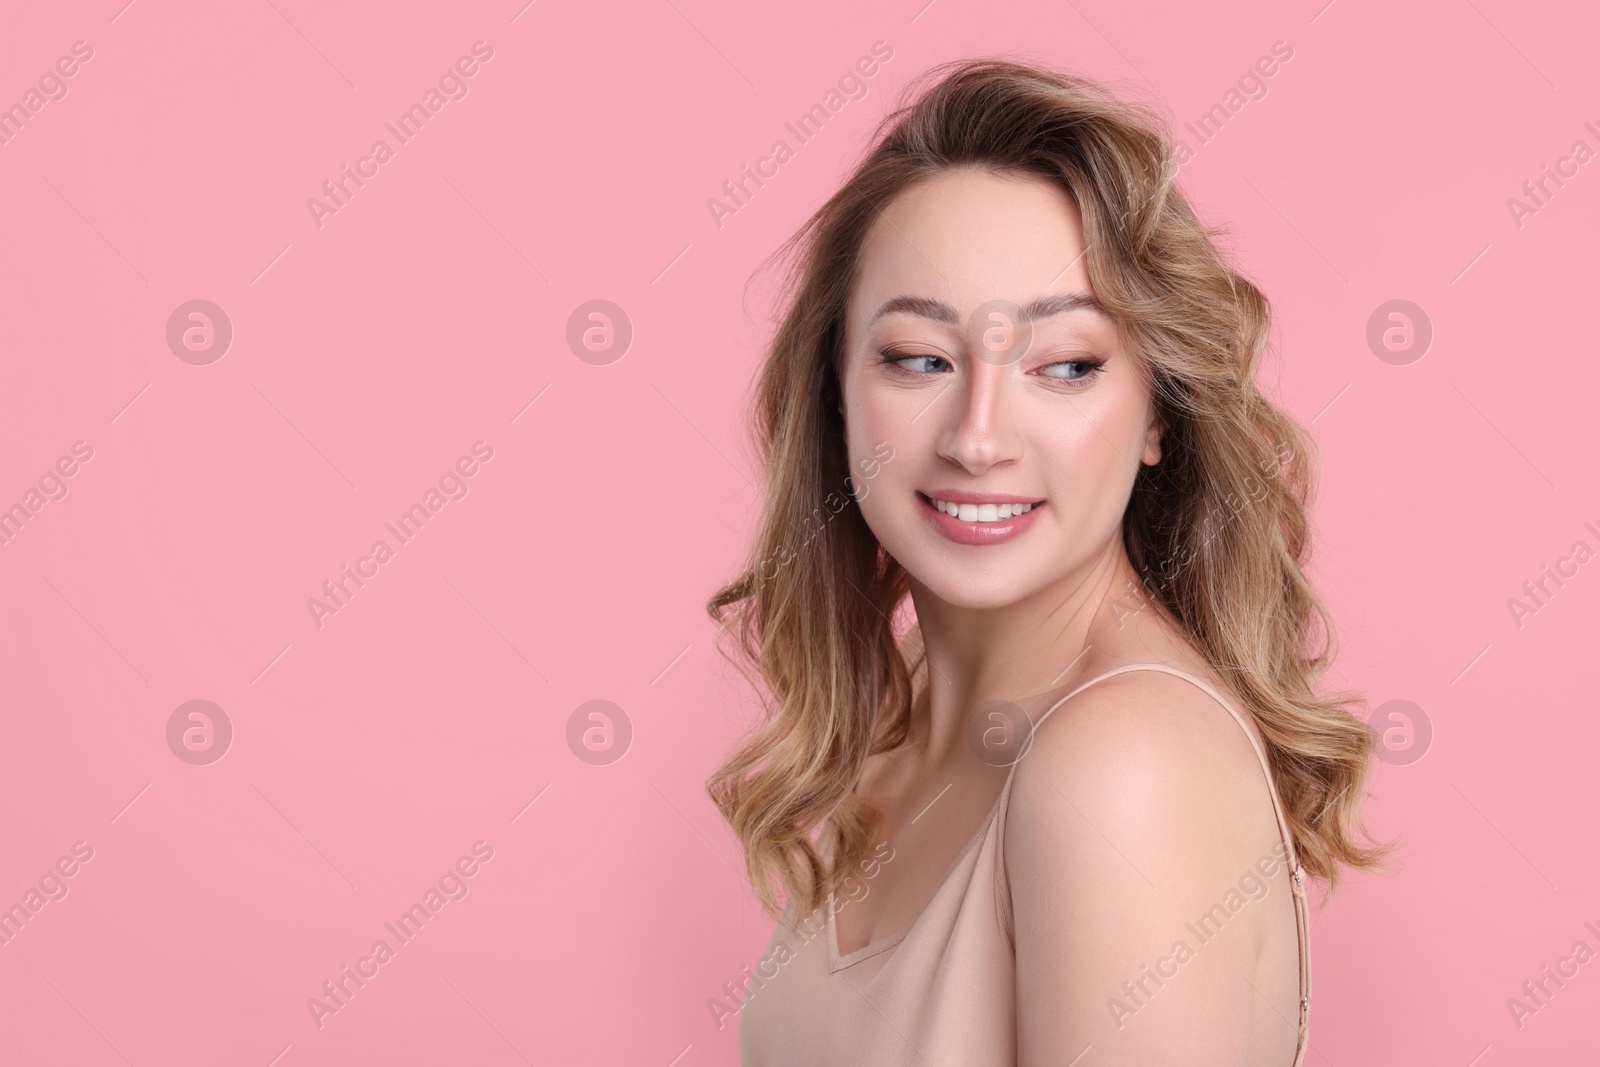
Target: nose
x,y
978,435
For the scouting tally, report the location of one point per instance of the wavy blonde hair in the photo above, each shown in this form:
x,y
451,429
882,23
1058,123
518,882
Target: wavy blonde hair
x,y
811,609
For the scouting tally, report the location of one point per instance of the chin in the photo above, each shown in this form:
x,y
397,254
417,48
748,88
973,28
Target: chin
x,y
978,589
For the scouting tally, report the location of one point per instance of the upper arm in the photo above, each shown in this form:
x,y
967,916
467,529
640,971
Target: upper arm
x,y
1140,808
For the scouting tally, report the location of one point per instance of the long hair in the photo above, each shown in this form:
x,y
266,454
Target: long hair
x,y
1218,530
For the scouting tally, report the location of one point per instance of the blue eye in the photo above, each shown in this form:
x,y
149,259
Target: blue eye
x,y
1067,372
914,363
1072,370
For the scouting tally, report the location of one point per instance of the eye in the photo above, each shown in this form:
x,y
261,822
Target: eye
x,y
913,362
1071,371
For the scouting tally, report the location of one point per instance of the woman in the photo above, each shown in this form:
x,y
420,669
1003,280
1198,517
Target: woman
x,y
1045,767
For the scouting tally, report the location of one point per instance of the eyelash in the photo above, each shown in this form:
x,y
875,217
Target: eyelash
x,y
1092,366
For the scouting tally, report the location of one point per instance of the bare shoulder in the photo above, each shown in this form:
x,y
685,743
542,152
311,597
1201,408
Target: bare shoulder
x,y
1139,836
1143,726
1151,764
1142,723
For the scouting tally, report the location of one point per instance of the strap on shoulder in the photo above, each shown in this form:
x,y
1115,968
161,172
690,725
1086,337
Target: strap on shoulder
x,y
1210,690
1297,873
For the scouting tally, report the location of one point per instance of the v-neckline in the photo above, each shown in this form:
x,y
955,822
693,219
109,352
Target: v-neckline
x,y
838,963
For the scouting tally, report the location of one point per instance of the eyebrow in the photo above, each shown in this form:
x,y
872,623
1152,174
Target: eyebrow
x,y
939,311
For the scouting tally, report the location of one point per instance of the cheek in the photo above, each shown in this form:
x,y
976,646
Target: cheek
x,y
876,426
879,484
1105,435
1087,454
1092,459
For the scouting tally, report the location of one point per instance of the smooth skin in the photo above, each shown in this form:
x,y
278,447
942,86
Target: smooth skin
x,y
1140,804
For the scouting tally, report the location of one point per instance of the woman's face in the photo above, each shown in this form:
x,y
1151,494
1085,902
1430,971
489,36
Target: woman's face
x,y
1030,429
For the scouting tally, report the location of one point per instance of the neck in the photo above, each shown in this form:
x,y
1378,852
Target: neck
x,y
1011,652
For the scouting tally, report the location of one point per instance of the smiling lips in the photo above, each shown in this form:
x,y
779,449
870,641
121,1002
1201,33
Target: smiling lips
x,y
978,518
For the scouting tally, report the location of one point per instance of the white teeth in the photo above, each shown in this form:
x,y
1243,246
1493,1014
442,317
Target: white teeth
x,y
982,512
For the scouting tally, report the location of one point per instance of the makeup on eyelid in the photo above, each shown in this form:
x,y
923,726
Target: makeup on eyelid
x,y
897,360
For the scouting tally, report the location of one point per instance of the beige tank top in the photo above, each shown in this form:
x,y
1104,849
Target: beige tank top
x,y
942,990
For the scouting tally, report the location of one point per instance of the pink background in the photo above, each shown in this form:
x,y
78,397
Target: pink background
x,y
368,354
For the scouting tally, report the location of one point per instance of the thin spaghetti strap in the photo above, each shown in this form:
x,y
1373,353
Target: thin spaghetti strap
x,y
1297,873
1277,805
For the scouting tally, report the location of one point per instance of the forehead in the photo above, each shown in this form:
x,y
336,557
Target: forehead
x,y
971,236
